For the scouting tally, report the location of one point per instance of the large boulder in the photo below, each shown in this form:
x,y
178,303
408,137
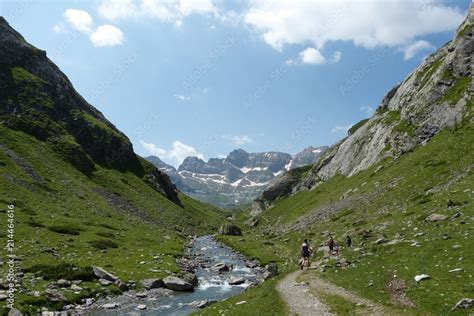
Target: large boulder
x,y
152,283
101,273
231,230
191,278
436,218
177,284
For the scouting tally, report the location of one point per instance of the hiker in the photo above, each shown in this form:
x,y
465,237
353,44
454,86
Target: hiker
x,y
305,253
331,245
348,241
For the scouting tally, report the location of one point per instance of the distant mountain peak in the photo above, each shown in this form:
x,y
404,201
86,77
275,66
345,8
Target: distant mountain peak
x,y
236,179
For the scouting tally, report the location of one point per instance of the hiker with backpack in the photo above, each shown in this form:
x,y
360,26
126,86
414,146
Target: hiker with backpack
x,y
331,245
305,253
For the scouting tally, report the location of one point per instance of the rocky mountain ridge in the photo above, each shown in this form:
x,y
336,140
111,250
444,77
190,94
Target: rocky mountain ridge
x,y
433,97
236,179
38,99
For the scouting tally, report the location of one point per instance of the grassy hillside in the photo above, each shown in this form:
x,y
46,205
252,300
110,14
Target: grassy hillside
x,y
111,219
389,201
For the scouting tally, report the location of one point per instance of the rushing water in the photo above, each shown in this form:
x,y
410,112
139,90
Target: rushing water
x,y
212,285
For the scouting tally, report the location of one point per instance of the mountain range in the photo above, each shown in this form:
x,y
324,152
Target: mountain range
x,y
237,179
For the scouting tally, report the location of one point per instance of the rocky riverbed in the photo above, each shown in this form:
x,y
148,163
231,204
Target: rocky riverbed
x,y
212,272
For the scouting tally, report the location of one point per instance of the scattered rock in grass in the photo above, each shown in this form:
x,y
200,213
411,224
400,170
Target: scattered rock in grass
x,y
152,283
380,241
101,273
63,283
456,270
76,288
177,284
241,302
55,296
201,304
234,280
89,301
436,218
422,277
104,282
456,246
3,297
110,306
463,304
141,307
14,312
270,271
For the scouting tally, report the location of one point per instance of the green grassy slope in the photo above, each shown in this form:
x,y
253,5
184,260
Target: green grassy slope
x,y
111,219
390,200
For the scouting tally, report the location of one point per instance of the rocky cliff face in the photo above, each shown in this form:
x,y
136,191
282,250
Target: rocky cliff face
x,y
38,99
433,97
236,179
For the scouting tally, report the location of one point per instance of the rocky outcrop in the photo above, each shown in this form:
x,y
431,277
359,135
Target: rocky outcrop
x,y
433,97
38,99
236,179
231,230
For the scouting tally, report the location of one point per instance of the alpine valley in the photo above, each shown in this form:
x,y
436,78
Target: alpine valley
x,y
90,227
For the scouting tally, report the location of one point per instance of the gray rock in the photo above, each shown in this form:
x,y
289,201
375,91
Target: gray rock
x,y
105,282
14,312
141,307
222,267
436,218
191,278
234,280
201,304
464,304
422,277
177,284
3,297
270,271
101,273
54,296
141,294
152,283
63,283
110,306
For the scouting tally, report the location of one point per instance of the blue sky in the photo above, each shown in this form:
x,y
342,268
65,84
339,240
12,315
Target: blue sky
x,y
205,77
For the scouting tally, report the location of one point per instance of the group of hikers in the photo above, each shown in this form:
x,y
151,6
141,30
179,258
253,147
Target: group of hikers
x,y
333,248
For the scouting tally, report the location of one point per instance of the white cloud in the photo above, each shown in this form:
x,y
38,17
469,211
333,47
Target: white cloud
x,y
312,56
340,128
367,109
170,11
411,50
367,23
182,97
290,62
239,140
56,28
104,35
80,20
177,153
107,35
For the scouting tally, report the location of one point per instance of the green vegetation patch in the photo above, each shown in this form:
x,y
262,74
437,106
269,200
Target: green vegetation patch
x,y
66,271
103,244
456,91
357,125
21,75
